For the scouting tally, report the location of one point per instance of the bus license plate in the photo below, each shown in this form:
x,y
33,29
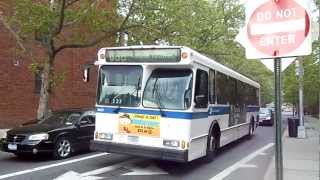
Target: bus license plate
x,y
133,139
12,147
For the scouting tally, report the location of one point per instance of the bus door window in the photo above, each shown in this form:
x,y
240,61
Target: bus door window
x,y
201,91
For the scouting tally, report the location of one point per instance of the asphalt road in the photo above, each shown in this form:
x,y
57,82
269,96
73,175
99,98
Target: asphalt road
x,y
244,159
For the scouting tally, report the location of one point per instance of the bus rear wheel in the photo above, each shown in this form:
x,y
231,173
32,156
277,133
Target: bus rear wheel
x,y
251,130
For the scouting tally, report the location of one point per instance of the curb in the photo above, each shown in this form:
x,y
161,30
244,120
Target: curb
x,y
270,173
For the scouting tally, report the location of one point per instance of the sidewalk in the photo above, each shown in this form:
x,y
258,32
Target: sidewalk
x,y
300,156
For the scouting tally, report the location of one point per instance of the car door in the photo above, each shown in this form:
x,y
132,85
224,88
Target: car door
x,y
85,131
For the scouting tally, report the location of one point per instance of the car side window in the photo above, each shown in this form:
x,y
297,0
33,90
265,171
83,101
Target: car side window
x,y
87,120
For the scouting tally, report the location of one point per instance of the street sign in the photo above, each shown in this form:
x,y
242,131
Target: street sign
x,y
276,28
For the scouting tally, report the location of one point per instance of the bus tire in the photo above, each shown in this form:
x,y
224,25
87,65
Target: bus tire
x,y
251,129
212,145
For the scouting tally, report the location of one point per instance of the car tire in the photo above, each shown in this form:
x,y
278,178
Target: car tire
x,y
212,148
62,148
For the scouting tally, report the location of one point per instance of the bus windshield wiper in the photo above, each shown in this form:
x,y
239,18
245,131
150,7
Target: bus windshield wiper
x,y
158,97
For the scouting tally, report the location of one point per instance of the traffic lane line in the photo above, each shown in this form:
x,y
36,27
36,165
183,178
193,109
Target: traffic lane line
x,y
18,173
111,168
226,172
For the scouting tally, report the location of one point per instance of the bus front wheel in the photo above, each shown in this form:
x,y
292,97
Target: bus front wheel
x,y
212,147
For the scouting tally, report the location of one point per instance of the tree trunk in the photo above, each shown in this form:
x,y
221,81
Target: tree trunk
x,y
45,89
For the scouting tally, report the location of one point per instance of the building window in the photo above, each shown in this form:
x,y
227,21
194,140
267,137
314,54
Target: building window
x,y
37,82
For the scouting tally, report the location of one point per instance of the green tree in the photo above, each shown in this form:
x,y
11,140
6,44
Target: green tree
x,y
209,27
57,25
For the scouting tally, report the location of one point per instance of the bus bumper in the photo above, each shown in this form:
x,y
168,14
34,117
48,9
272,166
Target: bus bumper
x,y
143,151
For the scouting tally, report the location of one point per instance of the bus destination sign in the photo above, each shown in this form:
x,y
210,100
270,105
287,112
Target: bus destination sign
x,y
143,55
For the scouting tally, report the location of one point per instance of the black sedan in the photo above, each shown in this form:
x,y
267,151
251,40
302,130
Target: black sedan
x,y
61,134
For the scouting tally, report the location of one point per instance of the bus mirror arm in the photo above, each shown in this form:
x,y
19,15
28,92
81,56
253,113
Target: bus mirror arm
x,y
86,72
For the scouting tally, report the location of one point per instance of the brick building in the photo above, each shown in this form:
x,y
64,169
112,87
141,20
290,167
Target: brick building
x,y
18,84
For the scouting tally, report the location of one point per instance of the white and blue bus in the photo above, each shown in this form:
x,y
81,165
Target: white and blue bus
x,y
171,103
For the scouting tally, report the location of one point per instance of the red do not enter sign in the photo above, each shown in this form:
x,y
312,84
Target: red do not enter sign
x,y
278,28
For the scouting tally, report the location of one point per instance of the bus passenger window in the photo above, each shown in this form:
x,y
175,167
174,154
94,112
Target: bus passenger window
x,y
201,91
212,98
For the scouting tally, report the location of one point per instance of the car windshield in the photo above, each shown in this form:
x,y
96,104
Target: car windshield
x,y
168,89
119,85
264,111
61,118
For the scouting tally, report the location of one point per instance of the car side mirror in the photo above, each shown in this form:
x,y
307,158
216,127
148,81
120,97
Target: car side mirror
x,y
83,122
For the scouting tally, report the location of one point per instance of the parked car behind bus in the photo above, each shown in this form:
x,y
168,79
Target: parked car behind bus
x,y
266,116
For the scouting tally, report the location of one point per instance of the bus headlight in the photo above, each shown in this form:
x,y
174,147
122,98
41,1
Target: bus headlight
x,y
171,143
105,136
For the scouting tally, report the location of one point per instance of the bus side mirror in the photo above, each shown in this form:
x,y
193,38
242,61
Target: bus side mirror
x,y
86,72
86,75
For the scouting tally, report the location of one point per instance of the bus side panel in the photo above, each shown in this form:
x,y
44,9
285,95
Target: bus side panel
x,y
199,134
243,130
227,134
198,137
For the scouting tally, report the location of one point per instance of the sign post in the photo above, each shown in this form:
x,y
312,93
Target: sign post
x,y
278,126
276,29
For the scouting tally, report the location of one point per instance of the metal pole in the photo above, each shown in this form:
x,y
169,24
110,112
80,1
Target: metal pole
x,y
318,57
301,123
301,129
278,128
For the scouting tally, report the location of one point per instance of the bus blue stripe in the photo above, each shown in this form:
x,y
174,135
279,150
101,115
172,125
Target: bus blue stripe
x,y
170,114
253,108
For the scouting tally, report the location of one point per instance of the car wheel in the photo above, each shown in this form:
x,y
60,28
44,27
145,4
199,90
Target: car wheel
x,y
62,148
212,147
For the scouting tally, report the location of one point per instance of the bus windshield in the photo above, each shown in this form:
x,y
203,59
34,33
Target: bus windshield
x,y
119,85
168,89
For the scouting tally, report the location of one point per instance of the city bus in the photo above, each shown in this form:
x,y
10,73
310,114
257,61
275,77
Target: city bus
x,y
170,103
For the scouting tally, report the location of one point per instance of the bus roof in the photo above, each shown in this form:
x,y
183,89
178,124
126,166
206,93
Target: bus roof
x,y
198,58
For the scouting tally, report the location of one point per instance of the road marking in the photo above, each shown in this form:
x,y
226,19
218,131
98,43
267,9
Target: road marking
x,y
145,171
109,168
248,166
91,175
240,163
50,166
